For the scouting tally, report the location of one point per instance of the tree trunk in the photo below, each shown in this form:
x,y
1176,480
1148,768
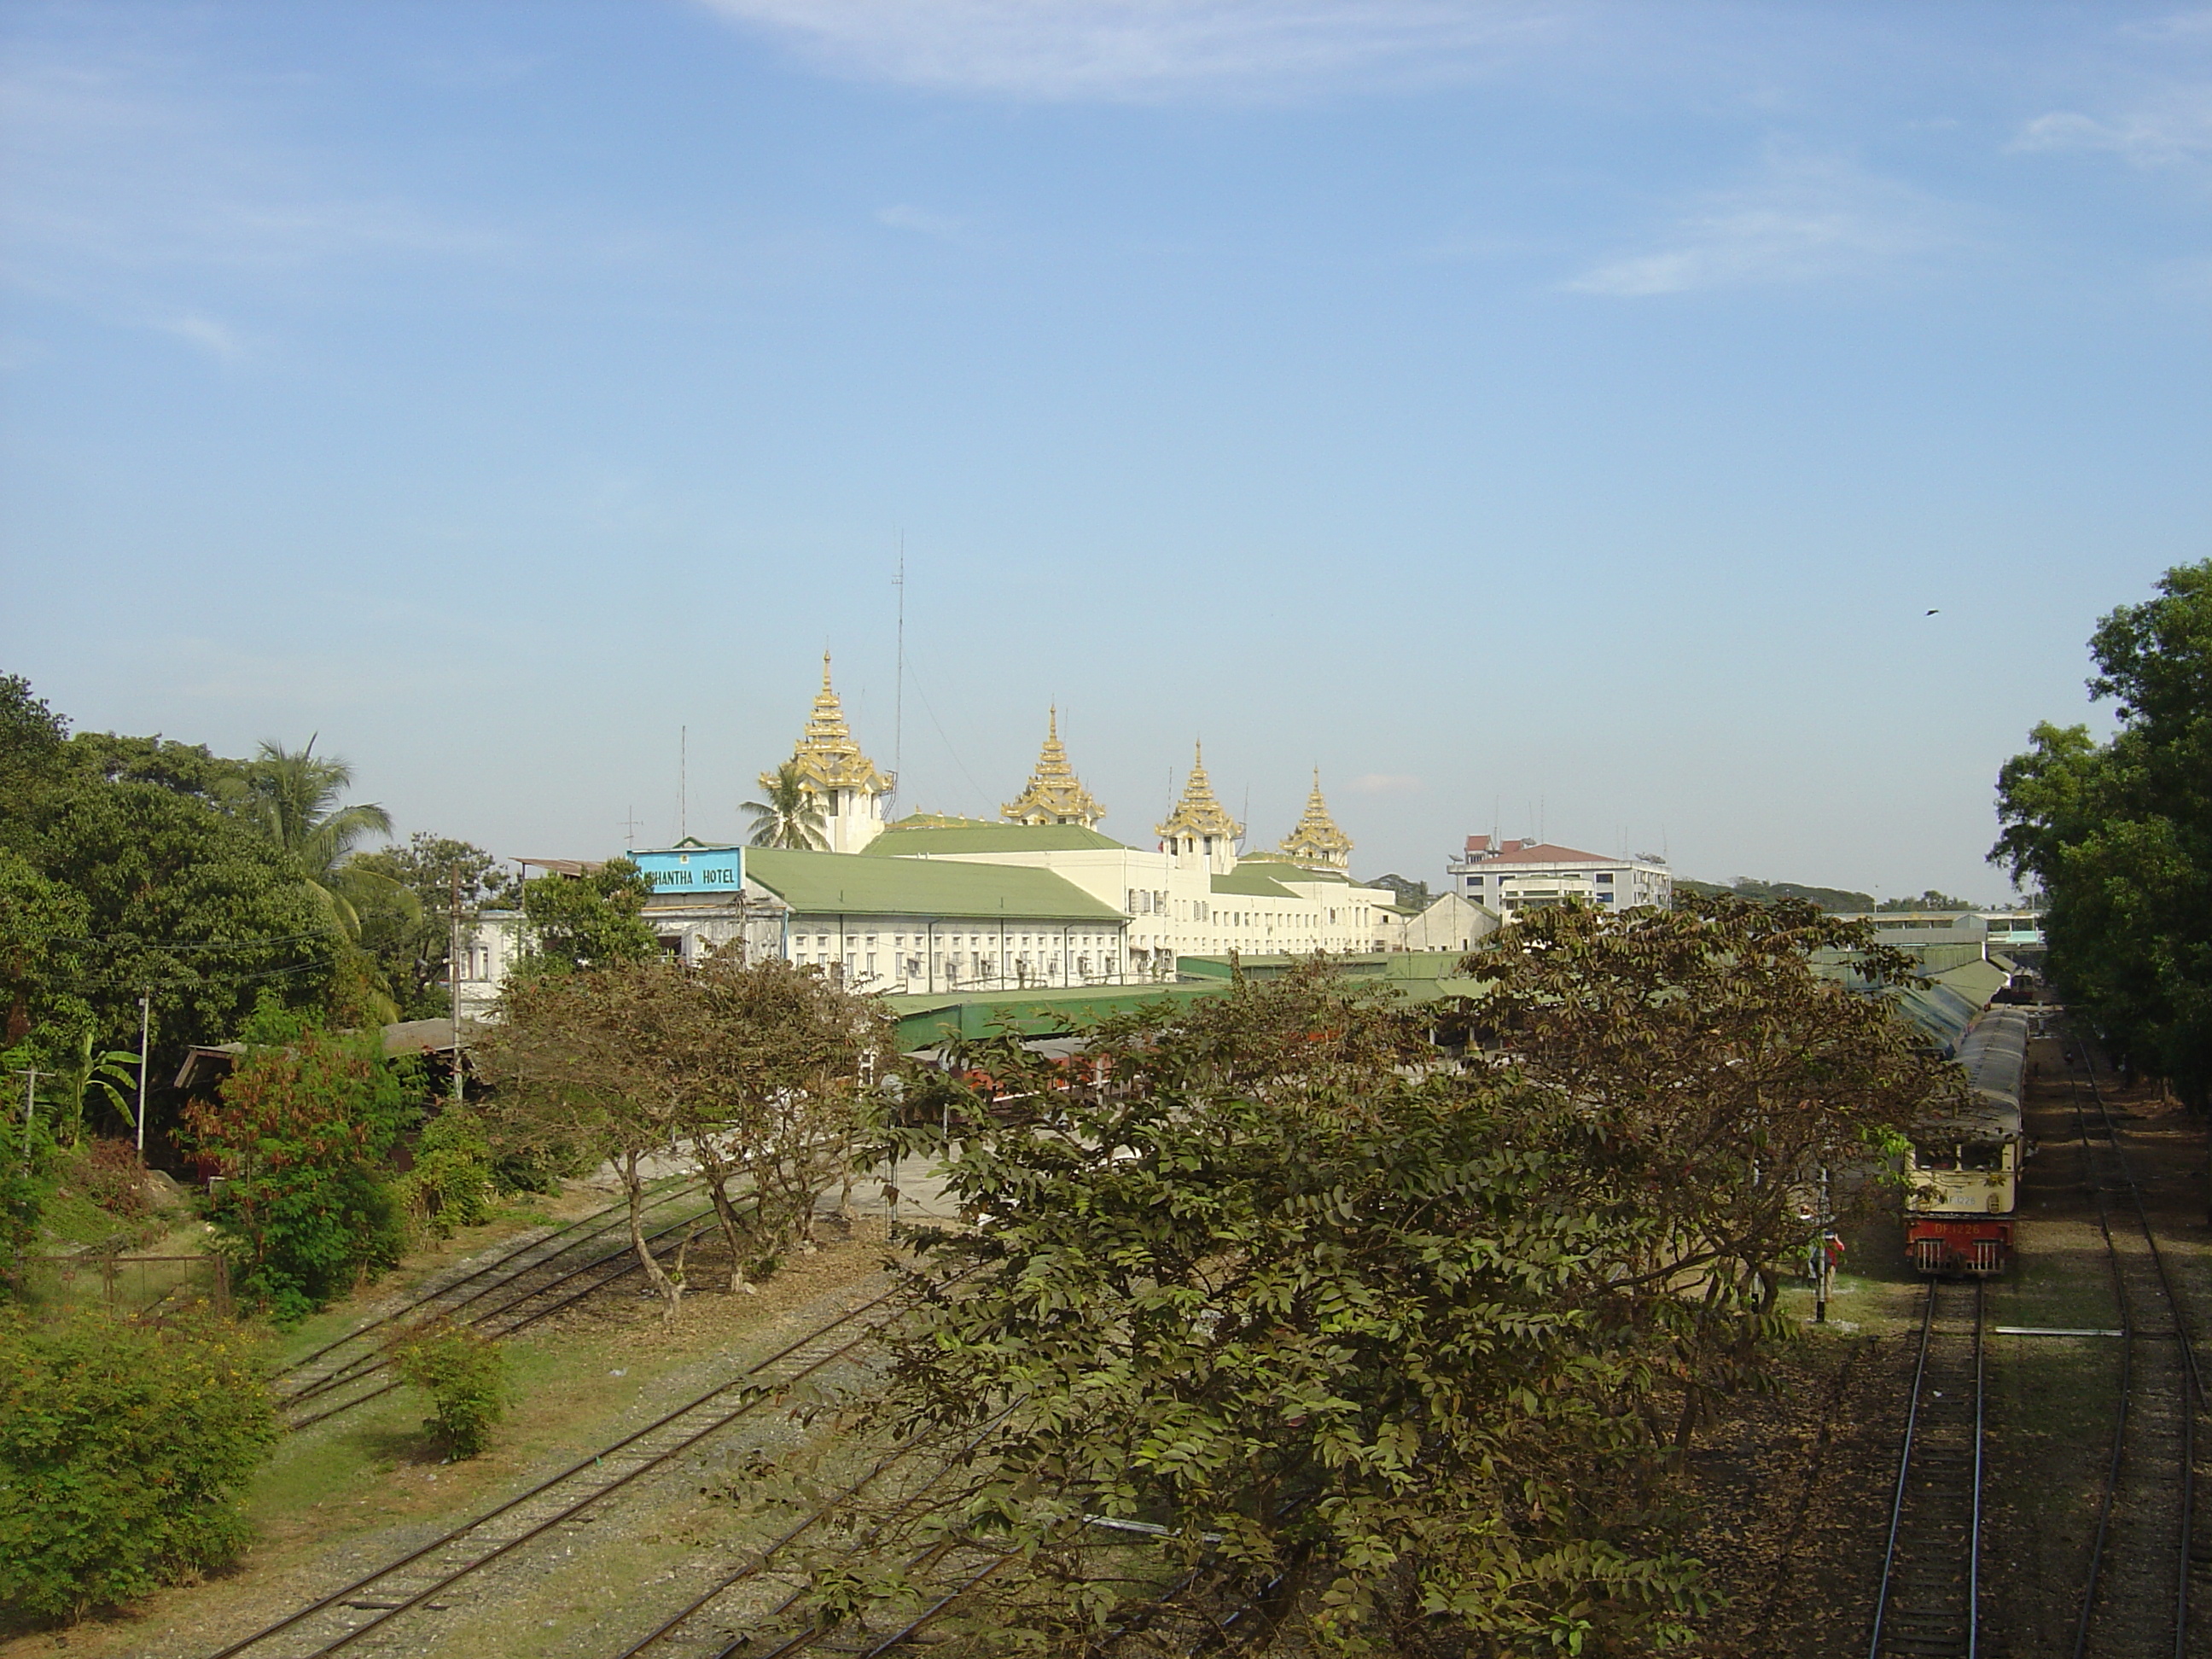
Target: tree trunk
x,y
718,1176
669,1291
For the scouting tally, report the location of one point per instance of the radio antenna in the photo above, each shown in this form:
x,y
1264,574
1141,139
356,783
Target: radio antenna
x,y
898,685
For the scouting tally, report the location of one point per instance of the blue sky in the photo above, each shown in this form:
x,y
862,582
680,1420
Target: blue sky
x,y
1538,416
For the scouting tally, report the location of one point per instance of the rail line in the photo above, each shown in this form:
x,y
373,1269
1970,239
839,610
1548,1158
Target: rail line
x,y
401,1586
503,1318
1929,1604
2140,1555
577,1234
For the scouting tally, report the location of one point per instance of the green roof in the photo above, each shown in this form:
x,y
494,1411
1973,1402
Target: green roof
x,y
926,1021
843,884
914,838
1417,975
1285,869
1250,883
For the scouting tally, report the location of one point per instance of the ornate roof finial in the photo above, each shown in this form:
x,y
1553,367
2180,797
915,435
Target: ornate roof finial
x,y
1054,794
1199,813
1316,839
827,755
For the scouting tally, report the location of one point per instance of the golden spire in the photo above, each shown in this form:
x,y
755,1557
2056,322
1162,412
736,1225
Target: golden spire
x,y
1054,794
1198,813
827,755
1316,839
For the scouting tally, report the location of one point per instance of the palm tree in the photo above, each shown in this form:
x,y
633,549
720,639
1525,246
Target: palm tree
x,y
292,797
791,816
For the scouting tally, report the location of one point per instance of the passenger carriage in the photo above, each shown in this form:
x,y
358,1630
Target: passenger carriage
x,y
1963,1176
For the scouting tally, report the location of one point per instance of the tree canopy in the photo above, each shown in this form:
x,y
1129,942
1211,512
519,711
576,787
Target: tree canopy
x,y
1407,1346
2119,835
791,816
588,921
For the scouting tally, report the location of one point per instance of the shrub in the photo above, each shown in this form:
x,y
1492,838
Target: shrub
x,y
121,1447
451,1184
466,1376
304,1133
111,1175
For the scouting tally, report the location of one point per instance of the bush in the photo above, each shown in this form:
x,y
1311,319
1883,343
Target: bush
x,y
451,1184
121,1447
110,1175
466,1376
304,1134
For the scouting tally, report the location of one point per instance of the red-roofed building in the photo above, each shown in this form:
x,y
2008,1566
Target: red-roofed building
x,y
1510,876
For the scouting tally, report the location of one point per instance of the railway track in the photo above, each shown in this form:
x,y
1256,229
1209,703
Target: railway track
x,y
1928,1602
2146,1583
430,1578
498,1299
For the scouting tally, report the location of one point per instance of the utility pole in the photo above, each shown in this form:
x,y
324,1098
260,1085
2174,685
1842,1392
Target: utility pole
x,y
453,981
145,1028
31,1077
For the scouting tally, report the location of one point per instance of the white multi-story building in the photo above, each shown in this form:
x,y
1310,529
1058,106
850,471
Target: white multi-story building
x,y
1511,876
1038,897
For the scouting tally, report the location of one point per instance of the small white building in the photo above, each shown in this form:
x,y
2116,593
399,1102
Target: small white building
x,y
1449,923
1508,876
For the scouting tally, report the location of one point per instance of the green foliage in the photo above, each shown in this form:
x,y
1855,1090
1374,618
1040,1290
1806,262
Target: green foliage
x,y
452,1181
1412,895
303,1133
756,1069
464,1375
1930,900
31,739
2119,837
792,815
1417,1343
408,928
123,1450
187,768
42,948
109,1175
588,921
180,899
1840,899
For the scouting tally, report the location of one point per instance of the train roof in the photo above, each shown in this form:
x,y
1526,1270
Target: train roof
x,y
1993,1056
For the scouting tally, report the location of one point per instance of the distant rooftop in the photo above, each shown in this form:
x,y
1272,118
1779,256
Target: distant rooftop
x,y
925,833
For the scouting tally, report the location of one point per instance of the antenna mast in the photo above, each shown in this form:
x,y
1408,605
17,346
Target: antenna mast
x,y
683,781
898,684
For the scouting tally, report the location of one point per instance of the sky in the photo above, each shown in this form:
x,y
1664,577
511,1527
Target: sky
x,y
1560,419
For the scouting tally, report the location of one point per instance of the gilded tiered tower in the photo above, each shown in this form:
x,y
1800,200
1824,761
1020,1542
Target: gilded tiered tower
x,y
1316,842
1053,794
1199,828
844,780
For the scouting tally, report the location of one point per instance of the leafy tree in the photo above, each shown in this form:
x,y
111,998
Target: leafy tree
x,y
1412,895
587,920
304,1134
408,928
43,925
1765,892
792,815
190,768
1337,1319
1717,1076
110,1076
291,796
180,900
2119,835
31,738
1930,900
123,1448
571,1082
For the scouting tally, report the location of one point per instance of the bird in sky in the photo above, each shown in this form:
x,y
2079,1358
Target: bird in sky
x,y
1935,613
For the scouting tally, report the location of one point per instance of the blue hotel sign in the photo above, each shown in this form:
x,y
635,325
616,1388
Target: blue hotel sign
x,y
693,869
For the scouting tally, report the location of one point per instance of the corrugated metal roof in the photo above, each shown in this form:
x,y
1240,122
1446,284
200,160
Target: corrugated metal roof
x,y
845,884
1278,868
982,835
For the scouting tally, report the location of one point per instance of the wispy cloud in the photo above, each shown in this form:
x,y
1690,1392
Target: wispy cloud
x,y
1134,50
134,186
1805,219
2176,128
